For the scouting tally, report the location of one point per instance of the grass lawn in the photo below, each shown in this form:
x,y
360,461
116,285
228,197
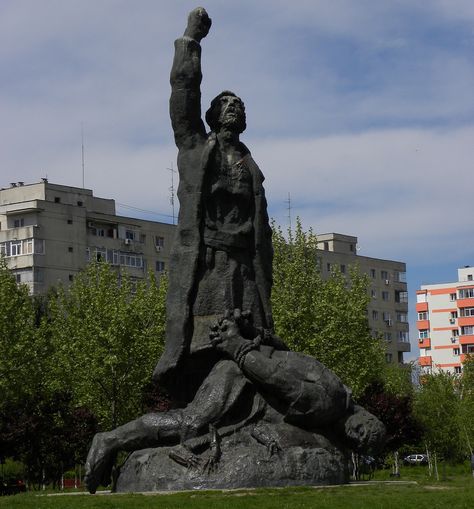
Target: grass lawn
x,y
456,491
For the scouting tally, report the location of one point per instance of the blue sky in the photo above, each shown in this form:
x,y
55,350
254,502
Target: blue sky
x,y
362,110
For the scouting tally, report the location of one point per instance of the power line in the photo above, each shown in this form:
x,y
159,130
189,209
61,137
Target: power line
x,y
130,207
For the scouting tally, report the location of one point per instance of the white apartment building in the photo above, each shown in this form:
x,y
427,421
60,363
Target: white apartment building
x,y
446,323
49,232
388,309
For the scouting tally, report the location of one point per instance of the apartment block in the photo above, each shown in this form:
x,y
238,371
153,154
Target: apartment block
x,y
388,308
446,323
49,232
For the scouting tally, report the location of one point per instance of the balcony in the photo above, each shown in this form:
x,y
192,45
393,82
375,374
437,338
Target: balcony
x,y
421,306
424,343
465,320
465,303
425,361
23,232
466,340
403,346
423,324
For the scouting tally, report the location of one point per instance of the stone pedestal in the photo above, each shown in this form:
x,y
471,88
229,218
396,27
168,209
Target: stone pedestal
x,y
243,463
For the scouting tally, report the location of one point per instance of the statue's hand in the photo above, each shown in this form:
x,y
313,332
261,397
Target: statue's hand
x,y
199,24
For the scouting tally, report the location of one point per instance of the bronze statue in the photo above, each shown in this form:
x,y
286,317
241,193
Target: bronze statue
x,y
253,413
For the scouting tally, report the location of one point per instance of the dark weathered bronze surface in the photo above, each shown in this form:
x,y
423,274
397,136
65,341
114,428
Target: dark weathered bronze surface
x,y
253,413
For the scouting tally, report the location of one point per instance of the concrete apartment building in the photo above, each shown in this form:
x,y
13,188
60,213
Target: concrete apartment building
x,y
388,309
49,232
446,323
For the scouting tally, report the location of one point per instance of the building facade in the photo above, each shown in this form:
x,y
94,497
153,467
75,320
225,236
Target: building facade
x,y
446,323
388,308
49,232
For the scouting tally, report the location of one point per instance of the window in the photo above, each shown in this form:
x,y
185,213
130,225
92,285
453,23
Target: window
x,y
79,203
130,234
17,223
466,293
467,330
373,294
423,315
400,277
69,221
402,317
70,249
385,295
326,246
453,315
457,370
402,296
71,277
388,357
57,199
455,333
386,316
423,333
387,336
372,273
343,268
351,247
16,248
160,266
469,277
456,351
467,312
375,315
403,336
452,296
328,267
384,274
159,241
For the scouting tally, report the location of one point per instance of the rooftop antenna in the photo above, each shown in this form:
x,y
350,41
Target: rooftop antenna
x,y
82,152
288,202
173,171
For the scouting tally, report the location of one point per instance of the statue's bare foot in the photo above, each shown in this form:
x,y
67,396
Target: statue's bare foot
x,y
99,463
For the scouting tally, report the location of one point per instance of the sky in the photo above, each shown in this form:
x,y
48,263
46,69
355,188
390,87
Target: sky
x,y
361,111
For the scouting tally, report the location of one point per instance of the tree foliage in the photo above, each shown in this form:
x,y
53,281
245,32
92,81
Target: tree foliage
x,y
437,409
323,318
108,337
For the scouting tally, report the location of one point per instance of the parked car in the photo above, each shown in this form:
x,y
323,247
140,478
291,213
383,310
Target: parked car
x,y
416,459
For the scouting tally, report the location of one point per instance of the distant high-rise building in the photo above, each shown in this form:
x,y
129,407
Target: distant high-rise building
x,y
446,323
388,308
49,232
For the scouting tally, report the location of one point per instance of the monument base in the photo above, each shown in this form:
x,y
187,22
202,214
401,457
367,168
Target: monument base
x,y
243,463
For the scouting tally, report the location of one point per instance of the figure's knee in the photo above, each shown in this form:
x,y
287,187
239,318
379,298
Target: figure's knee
x,y
364,431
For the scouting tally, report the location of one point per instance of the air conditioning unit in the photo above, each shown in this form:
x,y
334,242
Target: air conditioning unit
x,y
389,322
158,248
90,224
127,242
387,281
452,320
453,339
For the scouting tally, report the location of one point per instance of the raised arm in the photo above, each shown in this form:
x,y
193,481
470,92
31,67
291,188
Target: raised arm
x,y
185,79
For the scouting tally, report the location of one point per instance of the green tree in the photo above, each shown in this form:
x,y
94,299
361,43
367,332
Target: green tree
x,y
19,356
323,318
436,407
108,337
466,403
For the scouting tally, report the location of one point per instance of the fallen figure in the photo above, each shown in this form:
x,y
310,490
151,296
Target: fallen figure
x,y
266,397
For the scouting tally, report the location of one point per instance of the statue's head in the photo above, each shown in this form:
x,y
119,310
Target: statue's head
x,y
226,110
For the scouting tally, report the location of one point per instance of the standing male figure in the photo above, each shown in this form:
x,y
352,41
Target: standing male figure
x,y
222,255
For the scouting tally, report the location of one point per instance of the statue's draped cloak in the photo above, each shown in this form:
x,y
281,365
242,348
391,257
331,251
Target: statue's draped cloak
x,y
186,251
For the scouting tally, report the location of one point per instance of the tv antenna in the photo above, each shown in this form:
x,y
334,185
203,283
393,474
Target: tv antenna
x,y
171,189
288,202
82,152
